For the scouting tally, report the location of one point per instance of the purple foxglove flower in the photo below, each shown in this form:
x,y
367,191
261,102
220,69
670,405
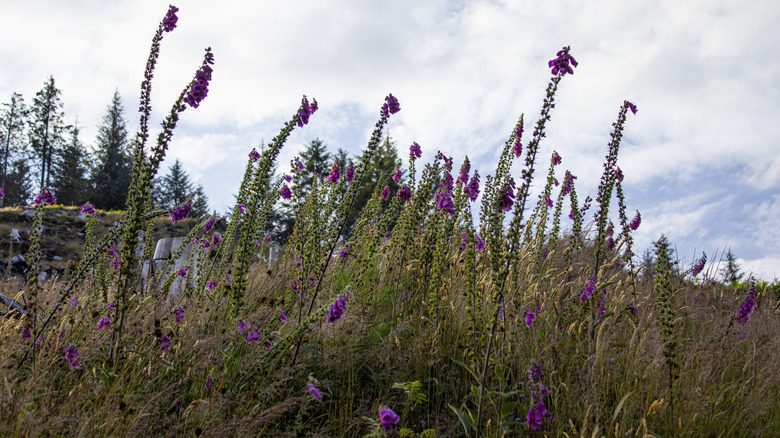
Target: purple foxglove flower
x,y
337,310
212,284
508,197
518,148
445,204
446,183
88,209
611,243
529,318
536,415
169,22
699,266
165,343
472,189
548,201
26,333
104,322
74,302
45,197
387,418
208,226
335,173
556,159
200,86
350,174
282,316
343,253
397,175
405,193
286,192
209,382
415,151
464,172
72,356
563,63
743,314
619,175
610,229
314,392
632,310
636,221
589,289
254,155
252,337
215,238
241,207
179,315
243,326
390,106
480,243
111,306
630,105
181,212
183,272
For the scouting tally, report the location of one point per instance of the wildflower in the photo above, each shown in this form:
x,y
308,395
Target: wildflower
x,y
548,201
306,110
208,226
181,212
337,310
632,310
388,418
72,356
536,414
282,316
619,174
215,238
385,193
115,263
350,175
179,315
111,306
397,175
472,189
390,106
529,318
508,197
464,172
561,64
88,209
254,155
169,22
480,243
405,193
183,272
636,221
200,85
252,337
165,343
71,262
343,253
241,207
567,183
212,284
743,314
209,382
445,204
556,158
415,151
535,373
286,192
589,289
699,266
610,229
314,392
518,148
631,106
243,326
74,302
611,243
45,197
105,321
335,173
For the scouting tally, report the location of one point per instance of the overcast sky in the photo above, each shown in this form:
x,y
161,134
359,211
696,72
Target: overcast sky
x,y
700,157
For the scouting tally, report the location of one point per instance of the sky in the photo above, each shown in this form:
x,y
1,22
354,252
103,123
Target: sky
x,y
700,156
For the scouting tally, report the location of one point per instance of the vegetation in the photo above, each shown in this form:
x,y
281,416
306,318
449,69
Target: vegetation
x,y
414,321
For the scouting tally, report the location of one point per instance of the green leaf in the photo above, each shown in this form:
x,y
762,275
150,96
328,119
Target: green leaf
x,y
466,419
468,368
507,409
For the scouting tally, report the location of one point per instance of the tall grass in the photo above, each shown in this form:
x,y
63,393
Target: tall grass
x,y
421,322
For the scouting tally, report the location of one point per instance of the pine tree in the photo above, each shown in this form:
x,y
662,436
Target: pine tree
x,y
731,272
12,121
47,127
386,161
317,162
174,188
70,183
113,168
18,184
200,203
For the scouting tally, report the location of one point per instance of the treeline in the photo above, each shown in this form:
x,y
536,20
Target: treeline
x,y
38,149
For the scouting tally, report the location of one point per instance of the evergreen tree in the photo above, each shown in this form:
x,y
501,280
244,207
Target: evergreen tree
x,y
731,272
18,183
46,127
317,162
384,161
174,188
12,121
70,183
200,203
113,161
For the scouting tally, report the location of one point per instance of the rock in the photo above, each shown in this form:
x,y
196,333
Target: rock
x,y
27,213
18,258
10,307
15,238
57,258
42,277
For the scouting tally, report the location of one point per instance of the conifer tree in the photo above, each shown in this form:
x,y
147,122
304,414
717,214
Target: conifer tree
x,y
317,162
18,183
12,121
385,160
113,162
46,127
200,203
70,184
731,272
